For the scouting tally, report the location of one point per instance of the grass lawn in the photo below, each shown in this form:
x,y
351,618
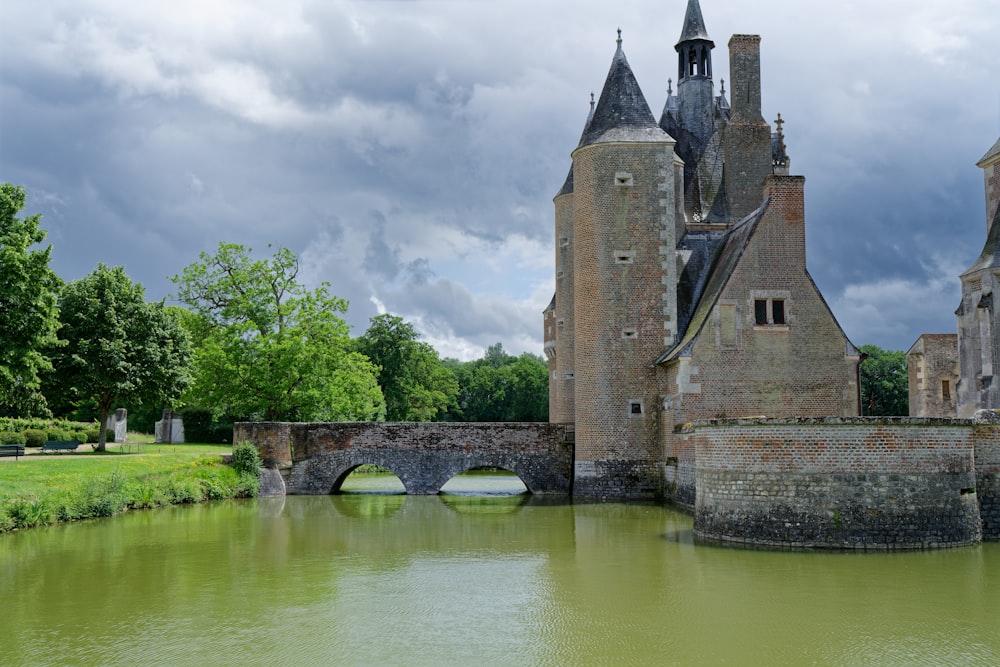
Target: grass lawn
x,y
38,474
40,489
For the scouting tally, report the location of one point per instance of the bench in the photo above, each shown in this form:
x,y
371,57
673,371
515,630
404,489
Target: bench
x,y
60,445
12,450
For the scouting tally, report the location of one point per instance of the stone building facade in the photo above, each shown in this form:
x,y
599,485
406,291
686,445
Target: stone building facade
x,y
681,284
932,374
978,315
968,363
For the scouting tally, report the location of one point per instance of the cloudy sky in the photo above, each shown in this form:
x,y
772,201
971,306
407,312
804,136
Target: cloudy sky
x,y
409,150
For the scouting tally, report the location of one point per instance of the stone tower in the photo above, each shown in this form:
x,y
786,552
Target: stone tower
x,y
624,236
560,320
979,315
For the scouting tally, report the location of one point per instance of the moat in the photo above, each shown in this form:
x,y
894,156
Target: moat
x,y
468,579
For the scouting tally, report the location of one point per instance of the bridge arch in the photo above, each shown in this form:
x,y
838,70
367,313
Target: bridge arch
x,y
315,458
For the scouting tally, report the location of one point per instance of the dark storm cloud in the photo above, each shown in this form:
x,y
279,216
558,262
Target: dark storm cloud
x,y
409,151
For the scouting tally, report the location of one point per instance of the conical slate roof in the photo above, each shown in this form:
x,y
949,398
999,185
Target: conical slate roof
x,y
567,187
694,26
622,113
990,154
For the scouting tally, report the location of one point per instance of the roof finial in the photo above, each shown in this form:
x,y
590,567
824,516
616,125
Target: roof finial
x,y
592,103
670,87
723,82
619,38
779,151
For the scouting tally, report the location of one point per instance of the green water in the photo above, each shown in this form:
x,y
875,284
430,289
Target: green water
x,y
368,579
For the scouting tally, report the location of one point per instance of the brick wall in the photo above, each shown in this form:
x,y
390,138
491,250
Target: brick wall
x,y
836,483
987,443
799,368
565,313
747,142
625,311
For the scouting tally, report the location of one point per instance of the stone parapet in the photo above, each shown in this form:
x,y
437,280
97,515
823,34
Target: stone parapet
x,y
843,483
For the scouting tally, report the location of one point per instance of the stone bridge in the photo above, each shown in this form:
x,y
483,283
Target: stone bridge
x,y
314,459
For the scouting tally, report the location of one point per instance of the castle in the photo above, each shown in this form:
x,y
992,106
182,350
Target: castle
x,y
691,356
954,375
682,292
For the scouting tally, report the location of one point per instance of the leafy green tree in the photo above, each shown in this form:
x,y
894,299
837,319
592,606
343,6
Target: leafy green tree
x,y
269,348
884,382
117,347
417,386
28,312
502,388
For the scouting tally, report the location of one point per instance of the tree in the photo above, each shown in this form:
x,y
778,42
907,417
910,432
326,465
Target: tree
x,y
268,348
28,312
117,347
884,382
503,388
417,386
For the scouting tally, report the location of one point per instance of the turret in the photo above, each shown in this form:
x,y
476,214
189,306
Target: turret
x,y
559,321
624,233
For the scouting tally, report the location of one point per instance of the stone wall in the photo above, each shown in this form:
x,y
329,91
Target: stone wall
x,y
315,459
836,483
987,443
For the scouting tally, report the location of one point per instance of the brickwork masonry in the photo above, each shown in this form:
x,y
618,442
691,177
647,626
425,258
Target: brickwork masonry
x,y
845,483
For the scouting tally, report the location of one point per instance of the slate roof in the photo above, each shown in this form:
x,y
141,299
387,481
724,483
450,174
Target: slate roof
x,y
552,305
567,187
622,113
694,26
727,254
990,257
990,154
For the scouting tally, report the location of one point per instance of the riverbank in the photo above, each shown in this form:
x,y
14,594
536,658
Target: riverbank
x,y
45,489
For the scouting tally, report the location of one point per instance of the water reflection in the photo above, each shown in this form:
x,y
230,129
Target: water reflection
x,y
458,580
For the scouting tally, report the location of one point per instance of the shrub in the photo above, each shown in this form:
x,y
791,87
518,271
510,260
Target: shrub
x,y
93,435
11,438
248,485
34,437
246,459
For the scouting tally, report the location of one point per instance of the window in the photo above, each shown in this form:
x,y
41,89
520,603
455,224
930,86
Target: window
x,y
945,389
770,308
760,311
635,408
624,256
629,333
777,312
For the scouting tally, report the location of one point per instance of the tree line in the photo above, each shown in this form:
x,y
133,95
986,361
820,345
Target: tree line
x,y
249,341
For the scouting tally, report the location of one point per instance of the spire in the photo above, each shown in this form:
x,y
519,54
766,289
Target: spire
x,y
694,26
621,105
694,49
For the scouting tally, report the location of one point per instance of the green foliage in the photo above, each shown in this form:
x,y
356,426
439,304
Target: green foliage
x,y
502,388
268,348
117,347
28,314
34,437
416,384
11,438
884,382
246,459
